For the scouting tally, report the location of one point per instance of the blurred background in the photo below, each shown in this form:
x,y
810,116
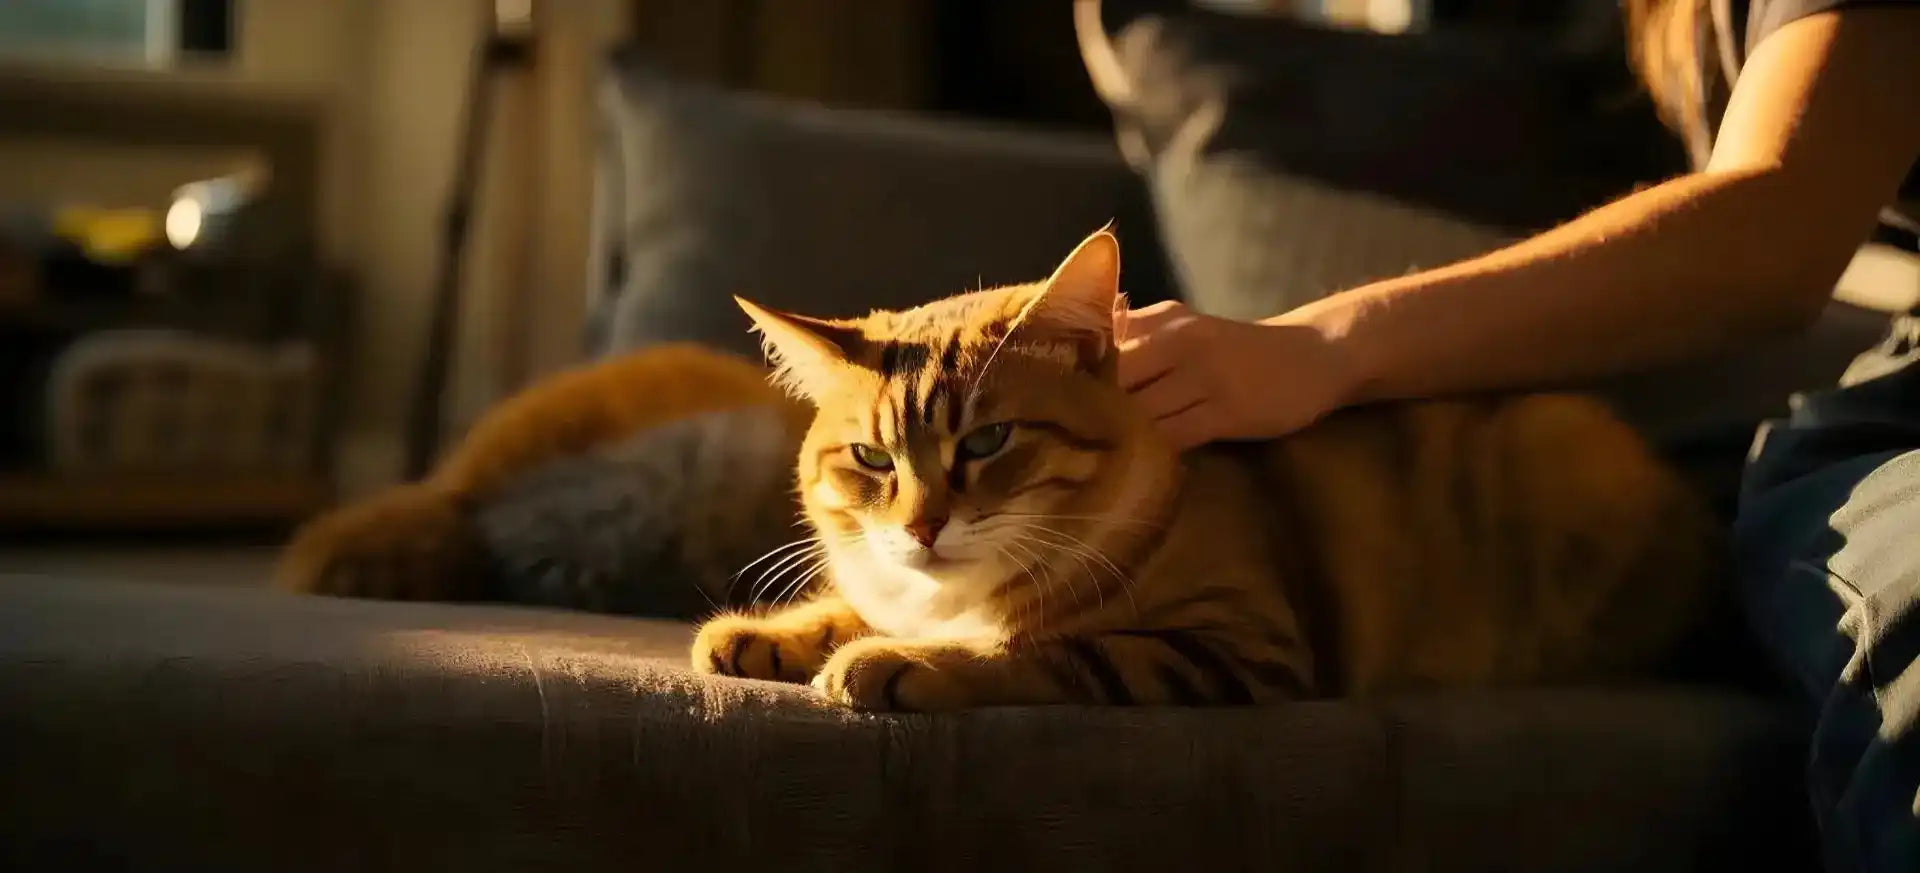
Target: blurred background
x,y
261,256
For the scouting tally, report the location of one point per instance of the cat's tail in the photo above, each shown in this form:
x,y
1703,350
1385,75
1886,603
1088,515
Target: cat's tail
x,y
424,541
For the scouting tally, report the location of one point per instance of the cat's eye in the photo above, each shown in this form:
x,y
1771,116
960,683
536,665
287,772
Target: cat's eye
x,y
872,457
983,442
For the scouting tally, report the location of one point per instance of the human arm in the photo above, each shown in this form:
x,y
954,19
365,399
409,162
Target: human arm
x,y
1817,136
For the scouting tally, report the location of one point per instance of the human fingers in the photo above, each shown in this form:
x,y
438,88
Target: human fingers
x,y
1172,392
1148,319
1143,359
1192,426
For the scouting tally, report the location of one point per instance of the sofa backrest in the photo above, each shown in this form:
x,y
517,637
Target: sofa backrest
x,y
704,193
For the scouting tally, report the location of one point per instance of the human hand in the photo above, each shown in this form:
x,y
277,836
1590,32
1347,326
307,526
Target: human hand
x,y
1203,378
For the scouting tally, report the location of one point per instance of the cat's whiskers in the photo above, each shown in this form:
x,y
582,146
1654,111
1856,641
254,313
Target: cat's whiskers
x,y
820,563
1031,554
1048,516
1039,589
1047,575
1092,574
1078,547
1093,552
799,583
774,551
801,543
1072,589
788,564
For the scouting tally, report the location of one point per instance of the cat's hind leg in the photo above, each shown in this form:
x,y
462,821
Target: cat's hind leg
x,y
413,542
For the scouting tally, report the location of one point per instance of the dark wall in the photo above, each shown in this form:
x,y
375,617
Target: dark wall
x,y
1012,61
1017,60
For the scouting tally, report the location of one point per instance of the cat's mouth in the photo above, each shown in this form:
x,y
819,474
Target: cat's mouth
x,y
931,560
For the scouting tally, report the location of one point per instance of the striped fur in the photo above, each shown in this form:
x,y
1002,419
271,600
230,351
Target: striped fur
x,y
1509,540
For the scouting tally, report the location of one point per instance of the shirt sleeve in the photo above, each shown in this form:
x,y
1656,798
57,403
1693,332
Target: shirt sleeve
x,y
1766,16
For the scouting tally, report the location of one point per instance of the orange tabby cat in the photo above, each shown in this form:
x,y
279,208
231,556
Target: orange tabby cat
x,y
418,542
998,525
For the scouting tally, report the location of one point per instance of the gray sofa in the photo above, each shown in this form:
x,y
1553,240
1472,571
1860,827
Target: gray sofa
x,y
147,727
176,728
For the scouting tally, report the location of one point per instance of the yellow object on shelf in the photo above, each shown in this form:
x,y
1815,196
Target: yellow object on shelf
x,y
114,236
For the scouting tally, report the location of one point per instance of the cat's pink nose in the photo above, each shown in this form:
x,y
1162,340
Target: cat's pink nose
x,y
925,530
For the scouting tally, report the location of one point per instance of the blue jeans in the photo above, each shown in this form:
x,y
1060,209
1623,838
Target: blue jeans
x,y
1827,560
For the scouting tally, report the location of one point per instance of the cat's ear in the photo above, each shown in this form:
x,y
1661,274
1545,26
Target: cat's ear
x,y
1076,304
807,353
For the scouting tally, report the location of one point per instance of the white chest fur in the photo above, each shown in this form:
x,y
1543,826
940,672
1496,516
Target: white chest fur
x,y
903,602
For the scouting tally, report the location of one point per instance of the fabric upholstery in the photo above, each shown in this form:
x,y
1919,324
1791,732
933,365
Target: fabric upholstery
x,y
704,194
152,727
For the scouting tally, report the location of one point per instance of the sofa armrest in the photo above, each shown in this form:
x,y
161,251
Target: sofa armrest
x,y
705,193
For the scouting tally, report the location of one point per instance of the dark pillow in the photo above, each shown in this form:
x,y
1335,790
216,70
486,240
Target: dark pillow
x,y
1503,128
1289,161
705,193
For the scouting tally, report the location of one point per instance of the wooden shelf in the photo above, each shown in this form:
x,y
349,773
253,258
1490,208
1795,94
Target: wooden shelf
x,y
169,501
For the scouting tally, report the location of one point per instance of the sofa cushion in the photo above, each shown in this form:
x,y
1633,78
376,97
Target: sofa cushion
x,y
704,193
152,727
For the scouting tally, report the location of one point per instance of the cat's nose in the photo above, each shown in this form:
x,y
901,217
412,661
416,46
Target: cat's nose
x,y
925,530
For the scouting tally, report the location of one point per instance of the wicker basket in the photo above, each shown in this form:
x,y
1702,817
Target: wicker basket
x,y
157,401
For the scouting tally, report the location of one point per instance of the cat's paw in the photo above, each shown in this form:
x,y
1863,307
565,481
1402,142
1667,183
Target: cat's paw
x,y
757,648
885,675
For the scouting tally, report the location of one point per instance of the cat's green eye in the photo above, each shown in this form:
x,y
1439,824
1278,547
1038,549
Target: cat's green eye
x,y
872,457
983,442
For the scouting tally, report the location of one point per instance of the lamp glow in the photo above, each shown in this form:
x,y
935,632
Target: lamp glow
x,y
184,220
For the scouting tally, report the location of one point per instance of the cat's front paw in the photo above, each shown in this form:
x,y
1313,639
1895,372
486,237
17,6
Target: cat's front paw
x,y
756,648
886,675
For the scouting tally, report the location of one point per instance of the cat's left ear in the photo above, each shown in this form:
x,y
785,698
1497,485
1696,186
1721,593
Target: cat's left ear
x,y
1076,304
809,354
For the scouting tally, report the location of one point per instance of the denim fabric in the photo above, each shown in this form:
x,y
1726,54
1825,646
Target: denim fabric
x,y
1827,551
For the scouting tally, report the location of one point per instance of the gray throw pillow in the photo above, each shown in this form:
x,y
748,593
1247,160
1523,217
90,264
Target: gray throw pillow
x,y
705,193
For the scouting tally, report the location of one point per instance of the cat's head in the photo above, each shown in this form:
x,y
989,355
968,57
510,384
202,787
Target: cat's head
x,y
976,436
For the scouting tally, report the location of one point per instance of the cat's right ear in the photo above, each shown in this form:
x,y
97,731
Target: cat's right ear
x,y
808,354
